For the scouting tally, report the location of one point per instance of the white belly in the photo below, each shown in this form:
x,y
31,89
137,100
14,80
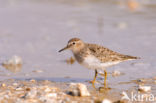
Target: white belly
x,y
93,63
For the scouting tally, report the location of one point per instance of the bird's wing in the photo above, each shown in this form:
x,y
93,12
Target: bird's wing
x,y
107,55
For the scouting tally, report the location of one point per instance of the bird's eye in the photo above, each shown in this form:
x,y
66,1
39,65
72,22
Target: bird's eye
x,y
73,43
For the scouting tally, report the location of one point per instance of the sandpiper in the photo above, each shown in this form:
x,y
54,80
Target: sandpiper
x,y
94,56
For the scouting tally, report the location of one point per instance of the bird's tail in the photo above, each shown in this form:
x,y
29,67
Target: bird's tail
x,y
131,57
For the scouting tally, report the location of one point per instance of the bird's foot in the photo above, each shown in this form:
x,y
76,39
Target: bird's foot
x,y
93,83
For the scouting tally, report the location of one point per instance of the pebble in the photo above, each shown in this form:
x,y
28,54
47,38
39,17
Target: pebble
x,y
154,78
13,60
74,92
15,84
71,60
28,89
32,80
78,89
38,71
26,74
47,90
144,88
19,89
122,25
106,101
83,90
3,85
31,94
53,95
133,5
47,100
14,64
116,73
141,80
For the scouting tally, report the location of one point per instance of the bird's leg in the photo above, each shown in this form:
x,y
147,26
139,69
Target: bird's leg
x,y
105,88
93,81
105,73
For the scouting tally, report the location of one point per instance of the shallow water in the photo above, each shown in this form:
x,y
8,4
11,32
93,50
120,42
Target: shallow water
x,y
37,29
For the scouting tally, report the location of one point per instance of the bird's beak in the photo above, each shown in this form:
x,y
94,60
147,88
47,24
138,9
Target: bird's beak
x,y
64,48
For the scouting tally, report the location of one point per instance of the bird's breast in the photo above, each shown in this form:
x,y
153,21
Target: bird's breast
x,y
92,62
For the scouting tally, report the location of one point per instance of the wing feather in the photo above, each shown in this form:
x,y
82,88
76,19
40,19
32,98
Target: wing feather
x,y
107,55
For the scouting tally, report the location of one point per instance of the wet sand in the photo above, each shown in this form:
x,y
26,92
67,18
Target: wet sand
x,y
44,91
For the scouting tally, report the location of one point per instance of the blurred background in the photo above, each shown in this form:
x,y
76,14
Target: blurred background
x,y
36,29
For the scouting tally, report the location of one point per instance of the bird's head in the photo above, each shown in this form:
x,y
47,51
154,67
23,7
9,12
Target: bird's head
x,y
74,44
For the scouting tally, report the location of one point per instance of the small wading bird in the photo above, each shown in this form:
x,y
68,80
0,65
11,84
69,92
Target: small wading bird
x,y
94,56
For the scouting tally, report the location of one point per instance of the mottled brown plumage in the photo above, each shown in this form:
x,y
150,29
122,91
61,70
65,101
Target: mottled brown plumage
x,y
107,55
